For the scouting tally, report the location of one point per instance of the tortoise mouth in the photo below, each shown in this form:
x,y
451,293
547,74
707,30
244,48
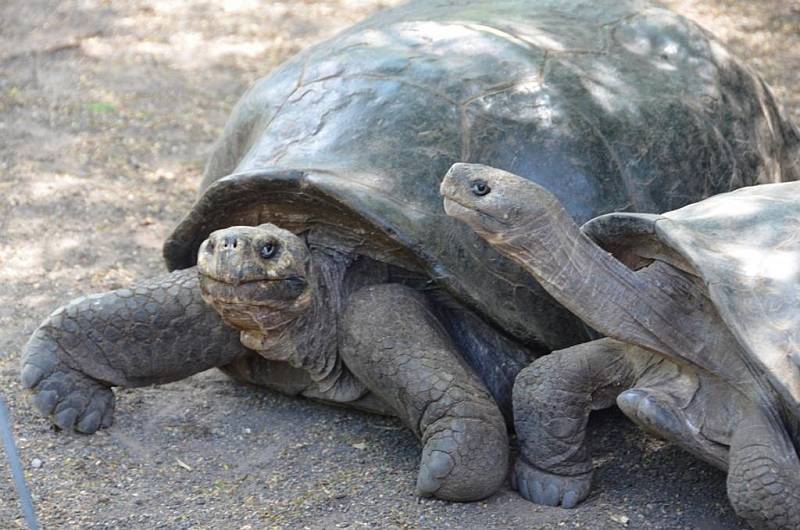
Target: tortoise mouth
x,y
458,210
273,293
485,224
265,306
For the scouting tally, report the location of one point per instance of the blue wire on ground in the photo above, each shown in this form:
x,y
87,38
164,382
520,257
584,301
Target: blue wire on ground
x,y
16,468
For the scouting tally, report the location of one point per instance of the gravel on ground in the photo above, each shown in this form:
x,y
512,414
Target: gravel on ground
x,y
107,113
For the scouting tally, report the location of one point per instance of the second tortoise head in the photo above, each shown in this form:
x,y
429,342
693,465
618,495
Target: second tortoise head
x,y
494,203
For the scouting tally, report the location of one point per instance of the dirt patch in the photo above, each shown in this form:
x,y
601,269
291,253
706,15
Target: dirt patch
x,y
107,113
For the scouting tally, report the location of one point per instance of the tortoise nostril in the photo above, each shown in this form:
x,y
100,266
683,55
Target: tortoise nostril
x,y
230,242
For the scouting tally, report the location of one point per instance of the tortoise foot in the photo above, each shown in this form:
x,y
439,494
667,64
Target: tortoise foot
x,y
463,459
654,412
72,400
392,341
541,487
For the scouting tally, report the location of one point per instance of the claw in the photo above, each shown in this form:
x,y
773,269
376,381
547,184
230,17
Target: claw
x,y
108,415
522,486
90,423
45,401
30,376
551,495
537,491
571,499
54,383
433,469
66,418
426,483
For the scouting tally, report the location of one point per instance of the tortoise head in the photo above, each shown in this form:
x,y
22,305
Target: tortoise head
x,y
494,203
255,277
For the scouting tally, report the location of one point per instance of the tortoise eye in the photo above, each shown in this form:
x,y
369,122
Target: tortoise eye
x,y
268,250
480,188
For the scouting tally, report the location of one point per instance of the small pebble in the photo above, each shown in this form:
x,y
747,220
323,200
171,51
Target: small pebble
x,y
621,519
36,463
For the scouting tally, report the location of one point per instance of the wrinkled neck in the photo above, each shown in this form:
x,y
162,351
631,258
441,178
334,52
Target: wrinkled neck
x,y
659,307
328,269
588,281
309,341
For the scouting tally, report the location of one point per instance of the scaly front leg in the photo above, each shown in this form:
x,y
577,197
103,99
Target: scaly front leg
x,y
157,331
392,342
552,401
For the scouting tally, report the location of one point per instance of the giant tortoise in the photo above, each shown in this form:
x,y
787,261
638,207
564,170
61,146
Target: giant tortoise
x,y
327,252
701,307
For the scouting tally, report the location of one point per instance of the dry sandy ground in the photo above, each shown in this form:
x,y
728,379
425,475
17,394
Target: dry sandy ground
x,y
107,113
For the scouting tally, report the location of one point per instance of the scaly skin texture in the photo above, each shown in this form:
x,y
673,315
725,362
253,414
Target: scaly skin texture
x,y
659,306
364,343
553,398
764,474
286,305
392,342
157,331
552,401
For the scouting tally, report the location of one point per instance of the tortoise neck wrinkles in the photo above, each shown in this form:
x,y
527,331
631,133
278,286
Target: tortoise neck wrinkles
x,y
588,281
659,307
308,340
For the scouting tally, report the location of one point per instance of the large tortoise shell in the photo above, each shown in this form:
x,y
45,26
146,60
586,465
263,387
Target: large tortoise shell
x,y
611,105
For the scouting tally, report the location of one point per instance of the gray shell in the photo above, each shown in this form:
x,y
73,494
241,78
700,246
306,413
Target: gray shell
x,y
611,105
745,245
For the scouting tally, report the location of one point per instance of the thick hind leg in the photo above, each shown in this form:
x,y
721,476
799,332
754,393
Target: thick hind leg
x,y
764,473
392,342
552,401
157,331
